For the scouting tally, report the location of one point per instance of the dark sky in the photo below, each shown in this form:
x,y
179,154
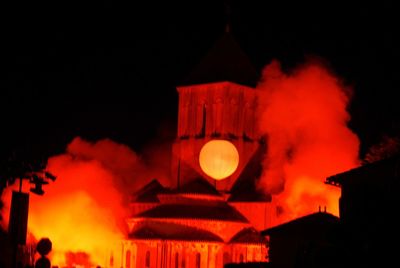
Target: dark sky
x,y
107,69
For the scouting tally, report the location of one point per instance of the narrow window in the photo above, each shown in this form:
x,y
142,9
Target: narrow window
x,y
183,261
227,258
241,257
128,259
177,260
203,127
111,261
147,259
198,260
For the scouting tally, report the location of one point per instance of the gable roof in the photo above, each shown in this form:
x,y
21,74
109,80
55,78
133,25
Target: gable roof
x,y
315,220
248,236
225,61
369,173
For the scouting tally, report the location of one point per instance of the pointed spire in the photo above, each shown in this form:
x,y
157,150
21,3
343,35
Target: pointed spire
x,y
227,27
225,61
227,16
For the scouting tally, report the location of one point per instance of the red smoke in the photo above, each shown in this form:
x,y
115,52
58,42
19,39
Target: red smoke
x,y
83,211
303,115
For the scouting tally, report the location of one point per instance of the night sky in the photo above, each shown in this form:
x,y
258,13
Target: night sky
x,y
109,70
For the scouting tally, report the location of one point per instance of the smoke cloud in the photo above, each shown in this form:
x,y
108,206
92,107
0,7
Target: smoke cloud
x,y
304,118
83,211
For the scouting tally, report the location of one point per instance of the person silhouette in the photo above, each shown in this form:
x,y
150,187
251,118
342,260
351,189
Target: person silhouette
x,y
43,247
42,262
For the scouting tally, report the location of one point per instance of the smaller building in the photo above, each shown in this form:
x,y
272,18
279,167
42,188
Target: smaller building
x,y
309,241
368,207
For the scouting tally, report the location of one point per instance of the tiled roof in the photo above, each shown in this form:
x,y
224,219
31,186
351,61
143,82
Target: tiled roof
x,y
171,231
221,212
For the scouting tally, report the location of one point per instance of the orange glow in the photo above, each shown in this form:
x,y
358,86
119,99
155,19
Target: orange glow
x,y
79,212
304,119
304,116
219,159
83,211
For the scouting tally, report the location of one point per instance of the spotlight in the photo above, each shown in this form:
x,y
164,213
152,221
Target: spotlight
x,y
50,176
38,189
38,181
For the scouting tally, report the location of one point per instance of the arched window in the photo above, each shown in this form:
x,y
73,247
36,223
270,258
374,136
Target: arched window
x,y
241,257
111,261
128,259
198,260
176,260
204,121
147,259
226,258
183,261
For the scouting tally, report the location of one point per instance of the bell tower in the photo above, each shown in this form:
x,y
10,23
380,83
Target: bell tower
x,y
217,131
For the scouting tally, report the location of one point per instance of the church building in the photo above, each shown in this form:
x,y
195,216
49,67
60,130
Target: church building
x,y
213,214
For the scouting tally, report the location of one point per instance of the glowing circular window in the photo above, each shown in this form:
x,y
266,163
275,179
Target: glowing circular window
x,y
219,159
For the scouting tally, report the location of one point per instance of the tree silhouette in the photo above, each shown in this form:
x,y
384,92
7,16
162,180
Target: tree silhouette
x,y
387,147
14,167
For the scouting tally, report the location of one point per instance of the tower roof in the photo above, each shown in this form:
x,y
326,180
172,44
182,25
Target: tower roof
x,y
226,61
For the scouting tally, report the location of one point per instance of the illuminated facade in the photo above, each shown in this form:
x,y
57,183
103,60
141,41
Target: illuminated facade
x,y
213,213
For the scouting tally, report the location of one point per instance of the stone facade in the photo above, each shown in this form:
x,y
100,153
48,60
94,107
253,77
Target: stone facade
x,y
200,222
